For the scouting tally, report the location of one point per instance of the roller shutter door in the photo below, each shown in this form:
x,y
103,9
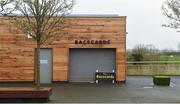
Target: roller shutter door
x,y
84,63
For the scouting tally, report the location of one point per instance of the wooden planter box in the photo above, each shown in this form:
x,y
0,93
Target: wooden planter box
x,y
161,80
24,94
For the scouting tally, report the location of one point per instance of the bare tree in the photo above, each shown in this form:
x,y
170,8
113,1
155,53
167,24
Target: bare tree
x,y
143,53
41,19
138,52
171,9
5,7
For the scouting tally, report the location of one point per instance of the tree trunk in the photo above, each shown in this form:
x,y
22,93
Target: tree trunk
x,y
37,73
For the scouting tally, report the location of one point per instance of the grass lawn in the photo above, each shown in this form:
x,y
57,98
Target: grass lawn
x,y
169,58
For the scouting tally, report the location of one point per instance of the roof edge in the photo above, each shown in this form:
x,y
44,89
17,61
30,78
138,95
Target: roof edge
x,y
96,16
92,16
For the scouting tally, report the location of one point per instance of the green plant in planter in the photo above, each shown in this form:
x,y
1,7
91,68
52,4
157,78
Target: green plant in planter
x,y
161,80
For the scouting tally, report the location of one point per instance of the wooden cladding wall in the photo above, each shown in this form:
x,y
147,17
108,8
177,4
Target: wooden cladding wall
x,y
17,52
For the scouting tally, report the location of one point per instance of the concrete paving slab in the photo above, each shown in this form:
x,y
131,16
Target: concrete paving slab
x,y
136,90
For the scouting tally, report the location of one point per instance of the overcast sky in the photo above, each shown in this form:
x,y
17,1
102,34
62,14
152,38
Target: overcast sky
x,y
144,20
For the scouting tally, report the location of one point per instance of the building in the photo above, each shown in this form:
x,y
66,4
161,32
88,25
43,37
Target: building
x,y
92,43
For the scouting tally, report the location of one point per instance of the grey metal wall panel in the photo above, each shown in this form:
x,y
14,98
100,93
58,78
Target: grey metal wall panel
x,y
84,63
45,65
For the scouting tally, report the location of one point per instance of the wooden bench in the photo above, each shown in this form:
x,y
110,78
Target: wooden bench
x,y
24,94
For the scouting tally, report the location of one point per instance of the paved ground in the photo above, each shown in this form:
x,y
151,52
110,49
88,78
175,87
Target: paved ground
x,y
135,90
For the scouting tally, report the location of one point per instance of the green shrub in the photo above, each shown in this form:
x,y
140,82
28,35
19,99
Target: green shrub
x,y
161,80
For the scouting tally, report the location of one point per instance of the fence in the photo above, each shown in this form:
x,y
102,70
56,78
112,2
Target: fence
x,y
153,68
